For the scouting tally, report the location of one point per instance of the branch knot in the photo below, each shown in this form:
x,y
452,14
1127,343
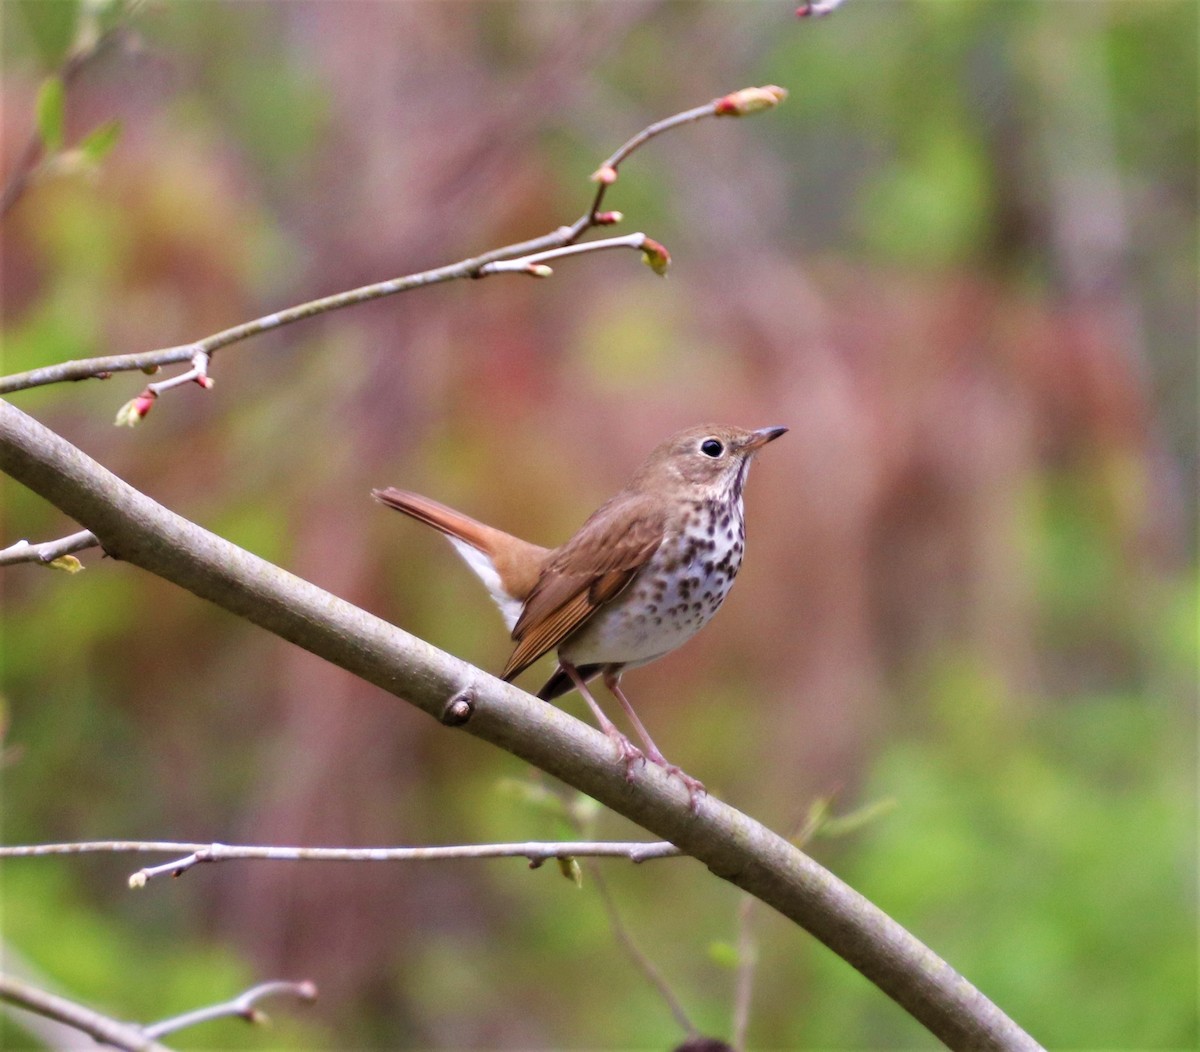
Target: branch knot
x,y
459,709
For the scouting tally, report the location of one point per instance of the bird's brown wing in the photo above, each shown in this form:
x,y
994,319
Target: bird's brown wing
x,y
588,571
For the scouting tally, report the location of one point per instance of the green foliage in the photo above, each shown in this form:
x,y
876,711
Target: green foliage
x,y
1047,850
51,113
51,25
931,204
984,855
99,142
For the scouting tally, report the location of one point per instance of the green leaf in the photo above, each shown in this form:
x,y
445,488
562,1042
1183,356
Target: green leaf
x,y
569,867
51,113
724,954
843,825
98,143
51,27
111,13
818,812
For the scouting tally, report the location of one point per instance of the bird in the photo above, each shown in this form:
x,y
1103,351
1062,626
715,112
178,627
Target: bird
x,y
644,573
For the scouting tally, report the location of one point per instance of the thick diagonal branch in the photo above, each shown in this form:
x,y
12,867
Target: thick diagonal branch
x,y
135,528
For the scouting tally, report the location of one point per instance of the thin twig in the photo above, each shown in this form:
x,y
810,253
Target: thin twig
x,y
648,133
747,946
818,8
47,551
244,1006
198,373
747,963
635,954
126,1036
536,852
583,819
150,361
532,263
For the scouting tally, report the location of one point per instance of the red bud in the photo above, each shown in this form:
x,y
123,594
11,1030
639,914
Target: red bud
x,y
132,412
749,100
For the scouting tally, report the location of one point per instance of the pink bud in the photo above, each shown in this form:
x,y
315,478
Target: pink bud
x,y
132,412
605,174
817,8
749,100
205,381
607,218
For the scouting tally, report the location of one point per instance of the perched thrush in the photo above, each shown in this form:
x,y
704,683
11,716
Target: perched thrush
x,y
640,577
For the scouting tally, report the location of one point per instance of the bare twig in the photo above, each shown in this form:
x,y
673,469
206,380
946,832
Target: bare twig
x,y
534,262
747,945
47,551
536,852
244,1006
606,174
732,845
818,8
103,1028
475,267
582,817
747,963
635,954
131,1036
198,373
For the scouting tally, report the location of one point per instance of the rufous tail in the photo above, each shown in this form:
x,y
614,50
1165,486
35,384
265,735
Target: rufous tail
x,y
508,566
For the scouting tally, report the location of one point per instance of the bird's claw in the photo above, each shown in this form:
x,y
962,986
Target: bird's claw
x,y
694,786
628,753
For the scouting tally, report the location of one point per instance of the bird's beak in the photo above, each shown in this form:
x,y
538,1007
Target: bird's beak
x,y
762,436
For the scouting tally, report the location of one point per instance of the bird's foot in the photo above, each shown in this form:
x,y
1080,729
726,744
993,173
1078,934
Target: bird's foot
x,y
694,786
628,753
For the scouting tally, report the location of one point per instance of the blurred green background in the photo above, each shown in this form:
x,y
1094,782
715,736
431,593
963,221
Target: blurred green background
x,y
960,264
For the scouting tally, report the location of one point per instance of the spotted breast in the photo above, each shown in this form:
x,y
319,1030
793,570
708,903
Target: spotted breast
x,y
674,595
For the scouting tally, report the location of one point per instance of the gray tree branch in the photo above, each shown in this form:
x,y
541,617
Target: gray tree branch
x,y
126,1036
735,847
245,1006
130,1036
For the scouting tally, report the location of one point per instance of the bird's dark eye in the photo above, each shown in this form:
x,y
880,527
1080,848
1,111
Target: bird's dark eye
x,y
710,447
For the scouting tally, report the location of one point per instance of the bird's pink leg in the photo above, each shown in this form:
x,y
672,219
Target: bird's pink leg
x,y
627,752
695,787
